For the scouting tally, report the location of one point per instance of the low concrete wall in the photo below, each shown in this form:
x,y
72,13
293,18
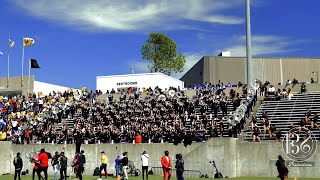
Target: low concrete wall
x,y
233,158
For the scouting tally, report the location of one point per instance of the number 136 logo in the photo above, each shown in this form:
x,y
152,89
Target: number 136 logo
x,y
299,146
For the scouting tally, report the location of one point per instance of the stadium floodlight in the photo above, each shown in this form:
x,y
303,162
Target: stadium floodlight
x,y
249,62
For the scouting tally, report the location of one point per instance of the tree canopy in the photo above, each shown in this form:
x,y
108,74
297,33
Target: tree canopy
x,y
161,52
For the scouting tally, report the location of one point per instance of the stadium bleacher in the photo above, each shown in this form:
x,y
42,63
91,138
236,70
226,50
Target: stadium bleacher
x,y
284,112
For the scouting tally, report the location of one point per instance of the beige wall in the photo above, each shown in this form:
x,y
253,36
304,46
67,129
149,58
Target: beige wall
x,y
15,84
266,69
300,68
233,69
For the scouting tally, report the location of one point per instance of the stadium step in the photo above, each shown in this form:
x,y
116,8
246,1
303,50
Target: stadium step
x,y
283,112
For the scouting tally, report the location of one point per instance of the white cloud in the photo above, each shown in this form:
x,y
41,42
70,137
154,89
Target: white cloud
x,y
261,45
127,15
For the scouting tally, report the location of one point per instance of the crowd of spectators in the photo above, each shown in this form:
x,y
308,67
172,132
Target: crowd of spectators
x,y
161,116
61,117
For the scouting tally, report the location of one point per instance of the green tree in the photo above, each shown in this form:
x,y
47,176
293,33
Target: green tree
x,y
161,52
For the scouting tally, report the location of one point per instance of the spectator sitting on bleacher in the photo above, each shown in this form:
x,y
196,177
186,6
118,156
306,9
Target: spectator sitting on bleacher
x,y
314,121
253,122
274,133
312,80
284,92
303,125
266,125
271,90
255,134
303,88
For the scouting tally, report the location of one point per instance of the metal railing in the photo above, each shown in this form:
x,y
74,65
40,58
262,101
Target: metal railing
x,y
186,173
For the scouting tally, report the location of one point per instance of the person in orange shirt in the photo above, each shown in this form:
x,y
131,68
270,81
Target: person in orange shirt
x,y
138,138
166,165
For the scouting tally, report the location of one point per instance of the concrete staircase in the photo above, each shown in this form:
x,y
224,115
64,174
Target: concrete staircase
x,y
282,113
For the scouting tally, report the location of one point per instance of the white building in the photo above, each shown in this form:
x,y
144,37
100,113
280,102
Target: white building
x,y
47,88
144,80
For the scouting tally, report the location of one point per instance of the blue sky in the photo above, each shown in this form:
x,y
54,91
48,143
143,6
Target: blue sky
x,y
79,40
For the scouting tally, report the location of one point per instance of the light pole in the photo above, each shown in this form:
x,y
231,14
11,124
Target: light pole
x,y
248,45
317,76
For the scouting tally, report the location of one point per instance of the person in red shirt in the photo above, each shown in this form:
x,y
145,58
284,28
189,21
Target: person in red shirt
x,y
138,138
166,165
44,163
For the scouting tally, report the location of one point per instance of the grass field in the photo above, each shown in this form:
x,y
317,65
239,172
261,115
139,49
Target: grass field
x,y
28,177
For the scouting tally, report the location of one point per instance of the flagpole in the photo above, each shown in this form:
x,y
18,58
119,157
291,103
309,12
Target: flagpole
x,y
29,76
22,62
8,79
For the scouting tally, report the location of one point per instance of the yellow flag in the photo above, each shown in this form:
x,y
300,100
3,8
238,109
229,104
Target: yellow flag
x,y
28,41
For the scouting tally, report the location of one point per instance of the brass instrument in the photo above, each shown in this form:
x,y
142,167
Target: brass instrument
x,y
231,120
179,94
156,92
161,97
172,93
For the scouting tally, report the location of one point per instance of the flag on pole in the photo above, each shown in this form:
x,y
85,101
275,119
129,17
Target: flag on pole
x,y
28,41
34,63
1,53
11,43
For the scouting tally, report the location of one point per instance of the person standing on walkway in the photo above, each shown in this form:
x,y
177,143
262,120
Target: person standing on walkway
x,y
117,165
63,164
179,167
166,166
145,164
55,164
44,163
281,167
104,162
18,165
124,163
81,161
